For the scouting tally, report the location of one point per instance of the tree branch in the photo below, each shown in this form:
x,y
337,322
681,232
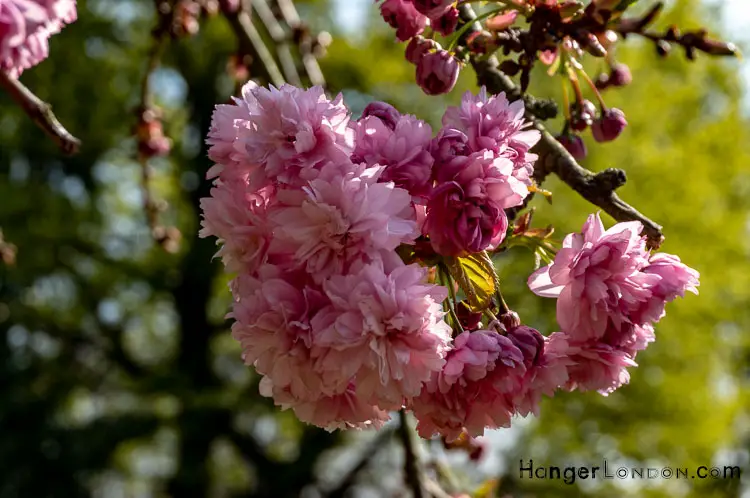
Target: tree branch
x,y
597,188
309,61
41,113
280,38
414,477
372,449
252,43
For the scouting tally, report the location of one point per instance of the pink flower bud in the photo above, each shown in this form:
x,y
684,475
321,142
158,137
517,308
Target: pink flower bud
x,y
401,15
418,47
574,145
620,75
384,112
433,8
437,72
609,126
446,24
469,320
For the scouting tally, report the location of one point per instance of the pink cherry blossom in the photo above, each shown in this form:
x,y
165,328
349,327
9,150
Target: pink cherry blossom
x,y
596,366
402,150
224,148
237,217
546,370
598,280
403,17
292,133
465,213
471,392
345,410
384,328
338,221
493,123
676,277
25,29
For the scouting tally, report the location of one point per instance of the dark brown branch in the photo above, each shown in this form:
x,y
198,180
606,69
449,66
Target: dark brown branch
x,y
597,188
413,475
41,113
381,440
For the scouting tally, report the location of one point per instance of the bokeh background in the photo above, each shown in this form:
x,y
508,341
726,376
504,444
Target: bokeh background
x,y
118,376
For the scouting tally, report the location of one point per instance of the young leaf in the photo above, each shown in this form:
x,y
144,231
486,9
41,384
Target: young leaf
x,y
475,278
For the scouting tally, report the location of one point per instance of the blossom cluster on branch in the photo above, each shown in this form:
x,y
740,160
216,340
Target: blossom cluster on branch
x,y
557,33
363,278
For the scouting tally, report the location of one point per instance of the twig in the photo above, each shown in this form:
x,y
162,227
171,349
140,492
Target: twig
x,y
167,238
280,38
383,437
249,37
597,188
41,113
413,475
435,490
309,61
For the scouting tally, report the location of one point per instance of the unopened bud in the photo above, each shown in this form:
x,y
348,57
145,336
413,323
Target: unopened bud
x,y
437,72
620,75
574,145
418,47
609,126
510,320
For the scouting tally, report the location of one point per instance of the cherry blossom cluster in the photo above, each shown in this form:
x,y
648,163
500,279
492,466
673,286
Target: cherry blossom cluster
x,y
339,230
25,29
610,291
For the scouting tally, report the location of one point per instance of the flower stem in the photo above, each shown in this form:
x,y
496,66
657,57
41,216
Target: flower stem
x,y
445,278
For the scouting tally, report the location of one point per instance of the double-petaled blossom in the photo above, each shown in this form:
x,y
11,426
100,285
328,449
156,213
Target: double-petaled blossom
x,y
474,389
293,132
602,279
593,366
404,18
610,291
25,29
403,150
224,148
273,313
237,216
545,370
465,213
336,222
493,123
385,328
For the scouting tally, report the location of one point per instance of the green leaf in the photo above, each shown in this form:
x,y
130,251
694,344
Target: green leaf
x,y
476,277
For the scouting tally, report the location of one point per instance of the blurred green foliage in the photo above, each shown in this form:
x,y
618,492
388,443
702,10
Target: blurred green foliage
x,y
118,374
